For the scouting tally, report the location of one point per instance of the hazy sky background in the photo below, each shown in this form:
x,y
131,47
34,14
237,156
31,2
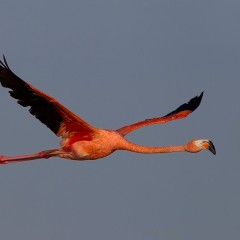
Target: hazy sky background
x,y
114,63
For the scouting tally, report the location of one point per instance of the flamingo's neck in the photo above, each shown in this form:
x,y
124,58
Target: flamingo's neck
x,y
146,149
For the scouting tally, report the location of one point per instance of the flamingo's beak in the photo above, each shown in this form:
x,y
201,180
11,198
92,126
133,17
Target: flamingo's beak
x,y
211,147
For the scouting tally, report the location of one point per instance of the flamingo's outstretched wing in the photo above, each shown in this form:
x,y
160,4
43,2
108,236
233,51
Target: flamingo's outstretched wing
x,y
45,108
181,112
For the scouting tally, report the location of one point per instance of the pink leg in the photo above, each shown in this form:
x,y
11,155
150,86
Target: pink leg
x,y
43,154
13,159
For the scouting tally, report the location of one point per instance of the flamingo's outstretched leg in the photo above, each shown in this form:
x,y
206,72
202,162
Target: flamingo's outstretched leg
x,y
22,158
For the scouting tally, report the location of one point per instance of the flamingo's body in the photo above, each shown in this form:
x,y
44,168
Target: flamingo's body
x,y
80,140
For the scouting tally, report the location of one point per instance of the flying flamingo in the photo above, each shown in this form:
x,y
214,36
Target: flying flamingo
x,y
80,140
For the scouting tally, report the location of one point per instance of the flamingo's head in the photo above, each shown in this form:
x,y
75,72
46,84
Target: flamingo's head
x,y
197,145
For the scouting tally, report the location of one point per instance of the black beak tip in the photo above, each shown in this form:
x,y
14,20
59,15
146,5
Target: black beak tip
x,y
212,148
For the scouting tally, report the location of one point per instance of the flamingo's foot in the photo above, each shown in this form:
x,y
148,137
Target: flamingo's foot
x,y
2,161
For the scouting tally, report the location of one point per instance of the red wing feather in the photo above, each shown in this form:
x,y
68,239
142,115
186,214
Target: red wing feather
x,y
181,112
77,130
45,108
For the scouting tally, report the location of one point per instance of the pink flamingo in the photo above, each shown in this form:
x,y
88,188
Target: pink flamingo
x,y
80,140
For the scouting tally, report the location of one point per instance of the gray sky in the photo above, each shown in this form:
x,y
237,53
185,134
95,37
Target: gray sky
x,y
114,63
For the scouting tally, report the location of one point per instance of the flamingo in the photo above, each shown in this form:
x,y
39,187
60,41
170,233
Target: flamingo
x,y
80,140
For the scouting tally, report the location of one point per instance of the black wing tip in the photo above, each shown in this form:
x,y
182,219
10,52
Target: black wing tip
x,y
194,102
192,105
4,63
